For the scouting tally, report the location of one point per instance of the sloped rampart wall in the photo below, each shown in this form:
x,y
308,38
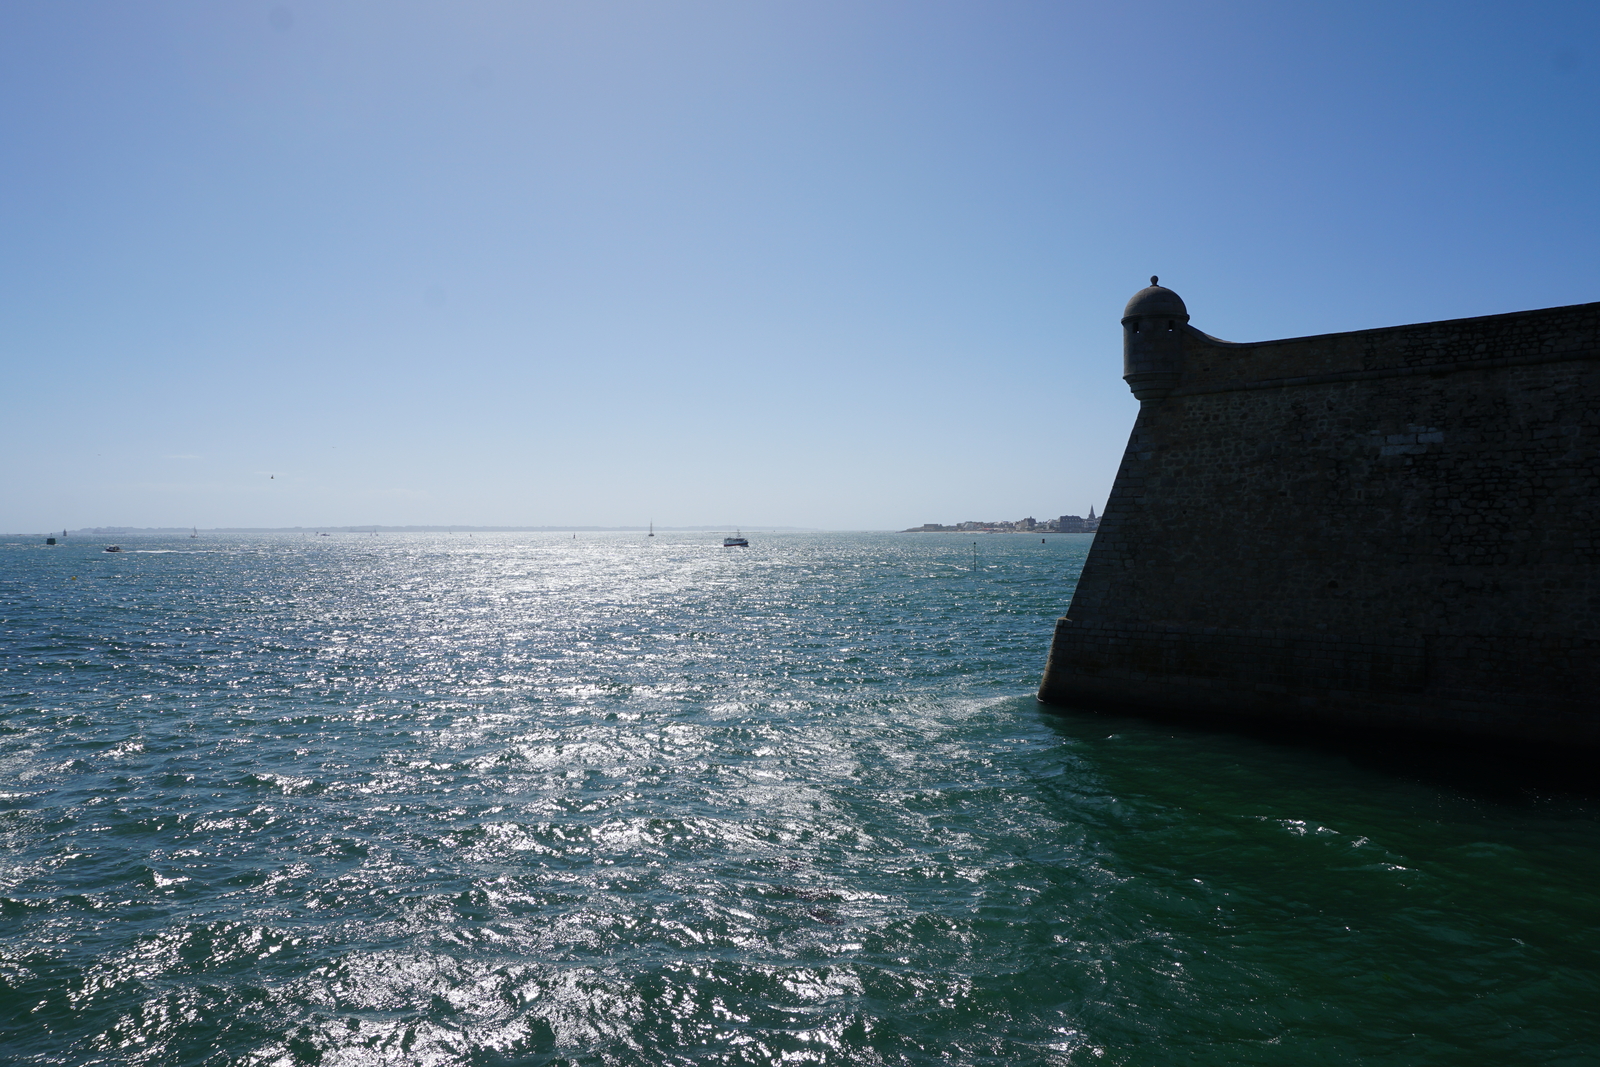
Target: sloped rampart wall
x,y
1395,527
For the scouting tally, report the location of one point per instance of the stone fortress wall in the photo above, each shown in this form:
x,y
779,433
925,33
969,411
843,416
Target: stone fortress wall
x,y
1411,539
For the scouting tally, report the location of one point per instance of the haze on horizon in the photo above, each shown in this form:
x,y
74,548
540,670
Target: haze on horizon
x,y
824,264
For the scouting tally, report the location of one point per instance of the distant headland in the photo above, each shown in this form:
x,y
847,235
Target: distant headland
x,y
1064,524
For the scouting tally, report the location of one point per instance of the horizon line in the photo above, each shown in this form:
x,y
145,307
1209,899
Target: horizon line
x,y
380,528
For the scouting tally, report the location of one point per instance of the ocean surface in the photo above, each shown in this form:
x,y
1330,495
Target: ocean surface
x,y
530,799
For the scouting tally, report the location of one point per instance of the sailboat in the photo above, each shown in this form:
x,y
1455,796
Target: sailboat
x,y
652,527
194,531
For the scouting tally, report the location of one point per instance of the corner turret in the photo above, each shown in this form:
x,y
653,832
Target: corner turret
x,y
1152,341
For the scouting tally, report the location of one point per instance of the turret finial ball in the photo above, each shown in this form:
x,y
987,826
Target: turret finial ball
x,y
1154,279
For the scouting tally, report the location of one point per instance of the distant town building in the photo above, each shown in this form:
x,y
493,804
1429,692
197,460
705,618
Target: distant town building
x,y
1077,523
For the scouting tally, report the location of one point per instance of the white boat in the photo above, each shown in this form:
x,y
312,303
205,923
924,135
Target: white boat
x,y
736,541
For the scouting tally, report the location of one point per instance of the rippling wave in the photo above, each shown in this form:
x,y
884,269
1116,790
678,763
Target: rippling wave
x,y
522,799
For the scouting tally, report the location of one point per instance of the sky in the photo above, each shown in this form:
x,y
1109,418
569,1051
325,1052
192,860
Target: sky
x,y
845,264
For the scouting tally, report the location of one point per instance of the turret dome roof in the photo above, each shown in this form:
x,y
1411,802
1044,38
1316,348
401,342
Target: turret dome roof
x,y
1155,300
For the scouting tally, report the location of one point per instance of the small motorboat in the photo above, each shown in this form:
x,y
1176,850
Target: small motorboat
x,y
736,541
113,548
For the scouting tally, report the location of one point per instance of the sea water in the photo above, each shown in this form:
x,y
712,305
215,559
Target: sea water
x,y
530,799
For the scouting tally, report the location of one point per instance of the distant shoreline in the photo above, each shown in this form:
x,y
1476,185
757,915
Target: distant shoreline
x,y
135,531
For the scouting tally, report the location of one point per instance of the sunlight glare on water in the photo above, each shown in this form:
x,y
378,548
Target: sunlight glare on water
x,y
524,799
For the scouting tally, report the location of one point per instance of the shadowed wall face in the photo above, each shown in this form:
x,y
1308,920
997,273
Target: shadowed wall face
x,y
1391,526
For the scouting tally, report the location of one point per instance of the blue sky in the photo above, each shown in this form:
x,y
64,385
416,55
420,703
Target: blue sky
x,y
831,264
